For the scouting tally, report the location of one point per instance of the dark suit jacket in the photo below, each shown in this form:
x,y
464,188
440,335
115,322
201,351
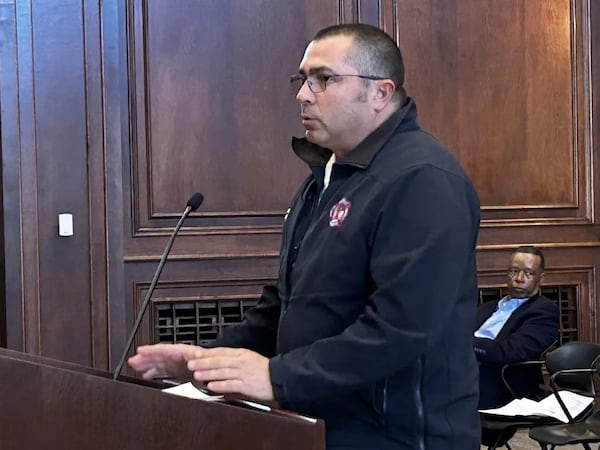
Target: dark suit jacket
x,y
530,330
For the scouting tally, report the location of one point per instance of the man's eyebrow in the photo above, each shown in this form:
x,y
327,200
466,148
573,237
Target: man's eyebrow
x,y
314,70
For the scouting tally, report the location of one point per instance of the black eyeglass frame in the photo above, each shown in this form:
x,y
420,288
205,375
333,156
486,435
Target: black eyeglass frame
x,y
322,79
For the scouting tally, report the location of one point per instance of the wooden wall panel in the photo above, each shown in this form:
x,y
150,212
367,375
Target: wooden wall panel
x,y
508,87
117,111
53,142
503,84
7,97
8,139
60,148
45,166
212,111
215,88
97,64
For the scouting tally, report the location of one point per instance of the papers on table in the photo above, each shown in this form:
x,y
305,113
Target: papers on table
x,y
190,391
548,407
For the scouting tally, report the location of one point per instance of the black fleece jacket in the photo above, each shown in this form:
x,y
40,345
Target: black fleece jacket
x,y
370,324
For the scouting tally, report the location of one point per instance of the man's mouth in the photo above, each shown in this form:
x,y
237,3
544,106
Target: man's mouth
x,y
309,122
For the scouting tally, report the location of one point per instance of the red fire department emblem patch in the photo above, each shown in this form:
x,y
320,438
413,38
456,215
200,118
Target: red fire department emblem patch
x,y
339,212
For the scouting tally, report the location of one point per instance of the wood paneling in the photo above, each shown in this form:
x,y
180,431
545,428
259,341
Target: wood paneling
x,y
207,91
212,111
117,111
8,138
45,165
505,86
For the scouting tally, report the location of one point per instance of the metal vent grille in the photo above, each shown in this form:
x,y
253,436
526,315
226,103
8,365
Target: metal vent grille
x,y
564,296
199,322
196,322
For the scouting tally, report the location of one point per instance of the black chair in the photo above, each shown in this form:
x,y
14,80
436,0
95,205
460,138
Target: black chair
x,y
573,355
498,430
584,433
577,431
527,368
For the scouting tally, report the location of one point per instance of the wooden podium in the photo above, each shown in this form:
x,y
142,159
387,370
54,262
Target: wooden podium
x,y
49,404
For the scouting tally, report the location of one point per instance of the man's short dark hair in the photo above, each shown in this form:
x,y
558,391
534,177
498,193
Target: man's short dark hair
x,y
373,53
533,250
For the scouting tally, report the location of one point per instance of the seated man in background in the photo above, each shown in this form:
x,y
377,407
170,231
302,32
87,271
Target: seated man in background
x,y
518,328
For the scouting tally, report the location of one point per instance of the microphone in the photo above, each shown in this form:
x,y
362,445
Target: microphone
x,y
192,205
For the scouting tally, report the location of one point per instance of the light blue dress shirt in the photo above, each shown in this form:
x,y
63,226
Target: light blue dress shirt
x,y
491,327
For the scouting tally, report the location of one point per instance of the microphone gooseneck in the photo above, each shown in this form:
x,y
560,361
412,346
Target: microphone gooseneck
x,y
192,205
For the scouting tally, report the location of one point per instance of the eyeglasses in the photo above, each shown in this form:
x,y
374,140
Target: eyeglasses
x,y
318,81
513,272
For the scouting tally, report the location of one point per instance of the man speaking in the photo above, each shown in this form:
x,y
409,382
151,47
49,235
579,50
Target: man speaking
x,y
370,324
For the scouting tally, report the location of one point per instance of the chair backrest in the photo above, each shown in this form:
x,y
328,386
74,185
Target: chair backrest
x,y
573,355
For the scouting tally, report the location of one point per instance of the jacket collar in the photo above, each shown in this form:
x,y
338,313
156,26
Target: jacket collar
x,y
403,119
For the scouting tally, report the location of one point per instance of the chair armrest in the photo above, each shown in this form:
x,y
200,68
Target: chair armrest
x,y
539,362
508,366
554,386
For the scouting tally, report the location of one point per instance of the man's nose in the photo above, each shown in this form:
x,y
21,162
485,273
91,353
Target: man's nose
x,y
305,95
520,276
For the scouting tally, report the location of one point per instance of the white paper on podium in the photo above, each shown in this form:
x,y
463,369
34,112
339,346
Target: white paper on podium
x,y
190,391
549,406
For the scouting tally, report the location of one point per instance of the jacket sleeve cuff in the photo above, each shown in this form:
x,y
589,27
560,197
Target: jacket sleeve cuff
x,y
277,382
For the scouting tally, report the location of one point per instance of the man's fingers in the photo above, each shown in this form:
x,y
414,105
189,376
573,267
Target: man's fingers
x,y
164,350
222,373
151,374
219,351
141,363
233,370
161,360
224,369
153,349
215,362
206,358
225,386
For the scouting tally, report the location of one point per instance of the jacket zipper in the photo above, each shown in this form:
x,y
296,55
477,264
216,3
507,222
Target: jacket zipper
x,y
384,402
419,406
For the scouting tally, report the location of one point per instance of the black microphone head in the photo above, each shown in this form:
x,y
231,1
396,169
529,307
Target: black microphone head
x,y
195,201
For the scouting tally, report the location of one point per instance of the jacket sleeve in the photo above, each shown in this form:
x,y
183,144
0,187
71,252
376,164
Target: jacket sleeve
x,y
421,265
258,329
536,331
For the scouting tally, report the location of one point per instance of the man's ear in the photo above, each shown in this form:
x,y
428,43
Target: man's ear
x,y
384,91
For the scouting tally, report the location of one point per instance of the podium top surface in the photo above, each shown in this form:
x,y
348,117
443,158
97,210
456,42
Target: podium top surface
x,y
69,406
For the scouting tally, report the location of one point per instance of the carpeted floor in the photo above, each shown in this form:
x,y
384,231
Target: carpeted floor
x,y
521,441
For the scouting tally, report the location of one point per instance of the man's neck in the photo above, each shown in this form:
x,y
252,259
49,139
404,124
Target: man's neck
x,y
378,119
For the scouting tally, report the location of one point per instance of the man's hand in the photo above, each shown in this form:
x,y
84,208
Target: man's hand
x,y
238,370
163,360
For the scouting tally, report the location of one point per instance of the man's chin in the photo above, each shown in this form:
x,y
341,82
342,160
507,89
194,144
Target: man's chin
x,y
520,293
313,136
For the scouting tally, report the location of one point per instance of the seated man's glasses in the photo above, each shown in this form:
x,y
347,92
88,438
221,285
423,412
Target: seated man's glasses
x,y
514,272
318,82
